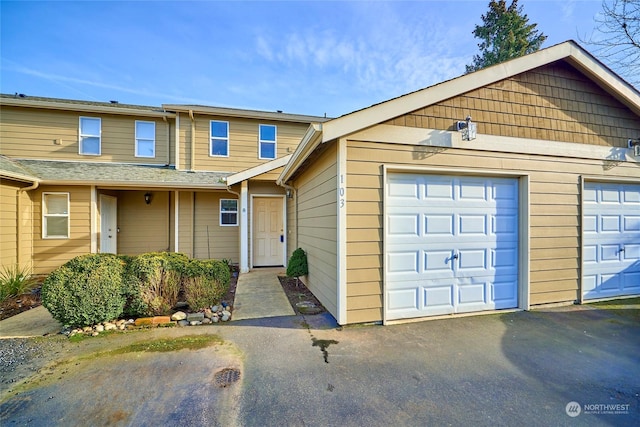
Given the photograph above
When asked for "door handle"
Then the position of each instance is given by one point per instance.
(455, 256)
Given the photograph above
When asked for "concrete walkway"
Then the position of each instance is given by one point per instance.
(259, 294)
(32, 323)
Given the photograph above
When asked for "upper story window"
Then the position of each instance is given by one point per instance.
(90, 131)
(267, 143)
(145, 139)
(219, 139)
(55, 215)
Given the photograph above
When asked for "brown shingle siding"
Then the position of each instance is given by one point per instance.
(554, 102)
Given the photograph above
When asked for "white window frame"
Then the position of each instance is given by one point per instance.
(137, 154)
(83, 135)
(274, 142)
(45, 215)
(221, 212)
(217, 138)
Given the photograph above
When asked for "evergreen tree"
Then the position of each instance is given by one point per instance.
(505, 34)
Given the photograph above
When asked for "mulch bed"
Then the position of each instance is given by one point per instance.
(16, 305)
(297, 292)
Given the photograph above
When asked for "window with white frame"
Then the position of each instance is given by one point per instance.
(145, 139)
(228, 212)
(219, 138)
(90, 132)
(55, 215)
(267, 143)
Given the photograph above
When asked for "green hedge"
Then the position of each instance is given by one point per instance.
(153, 282)
(206, 282)
(95, 288)
(86, 290)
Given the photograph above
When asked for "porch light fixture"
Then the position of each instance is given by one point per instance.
(467, 128)
(634, 144)
(289, 194)
(147, 198)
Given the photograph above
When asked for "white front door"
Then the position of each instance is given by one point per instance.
(268, 232)
(611, 240)
(452, 244)
(108, 224)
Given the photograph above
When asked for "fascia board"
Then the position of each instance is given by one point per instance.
(46, 105)
(18, 177)
(137, 184)
(247, 114)
(258, 170)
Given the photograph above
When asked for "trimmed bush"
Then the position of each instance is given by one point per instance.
(153, 282)
(298, 264)
(86, 290)
(206, 282)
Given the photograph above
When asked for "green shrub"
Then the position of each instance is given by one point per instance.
(86, 290)
(153, 282)
(15, 280)
(205, 283)
(298, 265)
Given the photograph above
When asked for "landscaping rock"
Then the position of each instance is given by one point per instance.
(179, 315)
(110, 326)
(195, 323)
(215, 319)
(99, 328)
(214, 308)
(208, 313)
(195, 317)
(206, 321)
(183, 323)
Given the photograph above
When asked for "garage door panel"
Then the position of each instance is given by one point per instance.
(403, 262)
(611, 240)
(467, 240)
(401, 300)
(403, 225)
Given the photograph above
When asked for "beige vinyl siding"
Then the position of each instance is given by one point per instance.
(317, 226)
(143, 228)
(9, 222)
(213, 241)
(243, 143)
(185, 220)
(49, 254)
(292, 225)
(554, 102)
(554, 209)
(53, 135)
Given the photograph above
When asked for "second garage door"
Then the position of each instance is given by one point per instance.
(451, 244)
(611, 239)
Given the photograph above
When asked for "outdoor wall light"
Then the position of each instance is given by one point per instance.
(467, 128)
(147, 198)
(634, 144)
(289, 194)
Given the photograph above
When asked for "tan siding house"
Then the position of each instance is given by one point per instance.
(504, 189)
(126, 179)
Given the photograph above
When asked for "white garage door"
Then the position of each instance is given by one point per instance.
(451, 244)
(611, 240)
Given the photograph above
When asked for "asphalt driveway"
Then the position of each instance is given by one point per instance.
(502, 369)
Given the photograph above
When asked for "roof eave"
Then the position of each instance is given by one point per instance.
(245, 114)
(67, 106)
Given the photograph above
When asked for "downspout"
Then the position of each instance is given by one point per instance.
(177, 157)
(193, 142)
(241, 229)
(168, 139)
(33, 186)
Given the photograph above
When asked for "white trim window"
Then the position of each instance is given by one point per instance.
(267, 144)
(228, 212)
(90, 136)
(55, 215)
(145, 139)
(219, 134)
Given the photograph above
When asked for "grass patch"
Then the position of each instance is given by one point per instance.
(189, 342)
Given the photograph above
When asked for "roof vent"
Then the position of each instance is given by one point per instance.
(114, 102)
(19, 95)
(279, 111)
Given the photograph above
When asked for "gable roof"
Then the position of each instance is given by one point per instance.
(568, 51)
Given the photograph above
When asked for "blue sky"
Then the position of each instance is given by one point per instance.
(328, 57)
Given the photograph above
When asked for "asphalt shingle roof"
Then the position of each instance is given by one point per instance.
(113, 174)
